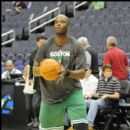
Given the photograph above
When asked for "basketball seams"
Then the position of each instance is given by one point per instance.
(49, 69)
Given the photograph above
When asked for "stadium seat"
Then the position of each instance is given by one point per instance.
(3, 69)
(20, 57)
(82, 20)
(27, 57)
(20, 67)
(123, 112)
(70, 10)
(18, 62)
(3, 57)
(124, 10)
(100, 19)
(91, 19)
(110, 18)
(127, 18)
(114, 10)
(11, 57)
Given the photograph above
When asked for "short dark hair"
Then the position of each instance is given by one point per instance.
(106, 66)
(41, 37)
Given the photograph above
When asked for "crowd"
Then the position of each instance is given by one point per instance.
(79, 86)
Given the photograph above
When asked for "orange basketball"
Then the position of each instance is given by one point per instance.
(49, 69)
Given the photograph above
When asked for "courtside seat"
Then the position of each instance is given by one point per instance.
(3, 57)
(105, 117)
(123, 112)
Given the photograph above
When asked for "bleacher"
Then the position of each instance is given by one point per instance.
(96, 25)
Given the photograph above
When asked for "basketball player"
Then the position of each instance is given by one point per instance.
(63, 94)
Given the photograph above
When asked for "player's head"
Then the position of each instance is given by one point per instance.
(83, 41)
(111, 42)
(40, 40)
(61, 24)
(9, 65)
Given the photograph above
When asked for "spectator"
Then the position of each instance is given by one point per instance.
(64, 93)
(108, 88)
(19, 6)
(117, 58)
(89, 84)
(10, 69)
(33, 100)
(97, 5)
(91, 55)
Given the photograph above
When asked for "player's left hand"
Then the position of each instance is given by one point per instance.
(61, 72)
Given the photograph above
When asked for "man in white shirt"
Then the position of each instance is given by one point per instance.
(10, 69)
(89, 84)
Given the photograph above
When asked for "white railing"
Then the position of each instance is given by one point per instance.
(9, 33)
(51, 20)
(77, 6)
(40, 17)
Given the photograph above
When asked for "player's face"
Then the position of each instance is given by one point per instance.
(61, 26)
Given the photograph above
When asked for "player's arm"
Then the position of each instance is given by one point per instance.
(76, 74)
(39, 57)
(36, 69)
(80, 64)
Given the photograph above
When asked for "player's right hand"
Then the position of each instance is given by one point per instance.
(36, 71)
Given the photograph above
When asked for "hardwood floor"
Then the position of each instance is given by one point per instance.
(27, 128)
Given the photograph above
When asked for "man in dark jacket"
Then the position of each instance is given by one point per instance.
(91, 55)
(33, 100)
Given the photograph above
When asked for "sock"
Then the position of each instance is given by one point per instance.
(81, 126)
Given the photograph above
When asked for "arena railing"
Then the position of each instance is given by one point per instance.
(32, 29)
(40, 17)
(81, 4)
(11, 35)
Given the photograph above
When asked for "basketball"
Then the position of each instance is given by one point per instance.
(49, 69)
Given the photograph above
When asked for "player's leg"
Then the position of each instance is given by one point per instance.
(76, 109)
(51, 116)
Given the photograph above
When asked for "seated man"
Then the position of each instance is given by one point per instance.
(108, 88)
(89, 84)
(10, 69)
